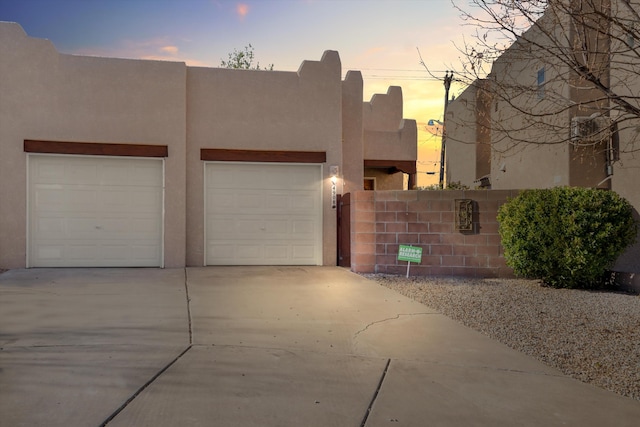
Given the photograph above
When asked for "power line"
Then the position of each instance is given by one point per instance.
(379, 77)
(382, 76)
(413, 70)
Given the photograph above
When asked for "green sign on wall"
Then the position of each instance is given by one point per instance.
(410, 253)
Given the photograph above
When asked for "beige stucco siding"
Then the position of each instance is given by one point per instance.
(461, 138)
(387, 136)
(86, 105)
(263, 110)
(531, 139)
(352, 132)
(55, 97)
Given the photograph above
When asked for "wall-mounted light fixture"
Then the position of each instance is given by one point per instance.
(334, 171)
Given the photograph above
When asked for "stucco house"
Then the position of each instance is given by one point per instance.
(116, 162)
(536, 122)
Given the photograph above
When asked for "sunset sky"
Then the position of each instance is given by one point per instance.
(380, 38)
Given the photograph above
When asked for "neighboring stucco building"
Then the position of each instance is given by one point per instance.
(533, 112)
(468, 152)
(386, 143)
(115, 162)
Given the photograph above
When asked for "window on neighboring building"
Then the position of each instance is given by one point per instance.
(541, 83)
(631, 40)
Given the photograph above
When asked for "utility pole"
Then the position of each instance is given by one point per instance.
(448, 76)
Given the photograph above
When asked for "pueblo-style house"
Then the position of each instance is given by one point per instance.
(117, 162)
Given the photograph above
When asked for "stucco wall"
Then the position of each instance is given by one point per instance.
(48, 96)
(528, 150)
(386, 135)
(461, 123)
(625, 81)
(45, 95)
(263, 110)
(384, 111)
(626, 182)
(352, 131)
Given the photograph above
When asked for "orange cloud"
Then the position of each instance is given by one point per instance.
(172, 50)
(242, 10)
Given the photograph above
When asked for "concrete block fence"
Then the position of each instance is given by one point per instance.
(383, 220)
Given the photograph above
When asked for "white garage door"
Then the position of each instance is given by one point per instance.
(95, 211)
(263, 214)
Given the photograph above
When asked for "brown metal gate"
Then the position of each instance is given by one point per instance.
(344, 230)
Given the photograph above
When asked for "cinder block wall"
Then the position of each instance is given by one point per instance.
(383, 220)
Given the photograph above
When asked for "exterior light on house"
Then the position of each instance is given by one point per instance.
(334, 171)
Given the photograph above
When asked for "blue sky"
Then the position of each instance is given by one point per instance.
(378, 37)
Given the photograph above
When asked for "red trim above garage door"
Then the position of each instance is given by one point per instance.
(406, 166)
(95, 149)
(224, 155)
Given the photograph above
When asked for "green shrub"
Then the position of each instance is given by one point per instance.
(567, 237)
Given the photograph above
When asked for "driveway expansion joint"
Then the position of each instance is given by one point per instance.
(144, 387)
(375, 394)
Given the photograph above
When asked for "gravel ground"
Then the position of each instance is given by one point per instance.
(591, 336)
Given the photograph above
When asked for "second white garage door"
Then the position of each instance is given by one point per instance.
(263, 214)
(95, 211)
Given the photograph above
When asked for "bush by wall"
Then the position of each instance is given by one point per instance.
(567, 237)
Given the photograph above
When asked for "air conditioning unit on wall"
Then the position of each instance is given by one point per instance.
(590, 129)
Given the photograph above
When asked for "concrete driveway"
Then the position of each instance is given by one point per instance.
(262, 346)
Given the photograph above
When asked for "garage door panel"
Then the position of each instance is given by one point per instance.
(250, 200)
(133, 200)
(302, 252)
(220, 201)
(142, 252)
(87, 255)
(79, 228)
(277, 200)
(63, 200)
(276, 226)
(53, 226)
(49, 252)
(114, 199)
(217, 225)
(304, 203)
(257, 227)
(264, 202)
(50, 171)
(126, 175)
(302, 227)
(277, 253)
(50, 196)
(133, 227)
(246, 227)
(101, 212)
(259, 214)
(114, 251)
(248, 252)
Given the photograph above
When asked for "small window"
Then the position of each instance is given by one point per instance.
(541, 83)
(631, 40)
(370, 184)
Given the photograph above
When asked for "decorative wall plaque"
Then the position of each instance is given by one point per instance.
(464, 214)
